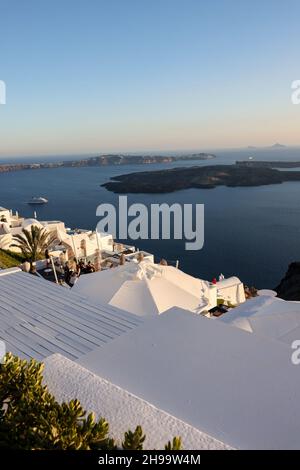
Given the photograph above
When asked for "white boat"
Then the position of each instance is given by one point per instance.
(38, 200)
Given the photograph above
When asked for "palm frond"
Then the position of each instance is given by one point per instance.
(33, 242)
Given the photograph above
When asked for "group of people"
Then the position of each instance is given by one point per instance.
(72, 273)
(85, 268)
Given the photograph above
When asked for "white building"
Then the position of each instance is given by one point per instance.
(231, 290)
(176, 374)
(8, 222)
(238, 388)
(44, 321)
(5, 215)
(84, 243)
(79, 243)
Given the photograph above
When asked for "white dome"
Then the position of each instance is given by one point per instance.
(27, 223)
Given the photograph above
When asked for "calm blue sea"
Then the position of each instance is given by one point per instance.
(253, 233)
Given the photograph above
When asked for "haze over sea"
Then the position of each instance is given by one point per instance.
(253, 233)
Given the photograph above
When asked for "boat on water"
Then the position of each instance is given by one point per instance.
(38, 200)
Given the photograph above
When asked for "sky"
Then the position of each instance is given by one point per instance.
(147, 75)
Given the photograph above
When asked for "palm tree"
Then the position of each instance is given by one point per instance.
(33, 243)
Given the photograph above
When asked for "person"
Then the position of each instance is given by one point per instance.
(67, 272)
(163, 262)
(73, 278)
(90, 268)
(47, 256)
(81, 268)
(81, 263)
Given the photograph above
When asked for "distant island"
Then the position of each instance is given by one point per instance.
(205, 177)
(104, 160)
(274, 146)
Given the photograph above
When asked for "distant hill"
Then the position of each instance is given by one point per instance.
(110, 159)
(278, 146)
(274, 146)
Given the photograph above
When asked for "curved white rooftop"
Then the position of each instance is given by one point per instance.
(267, 316)
(27, 223)
(146, 289)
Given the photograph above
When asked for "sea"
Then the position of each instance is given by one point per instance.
(252, 233)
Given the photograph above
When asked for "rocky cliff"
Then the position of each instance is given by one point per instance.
(289, 287)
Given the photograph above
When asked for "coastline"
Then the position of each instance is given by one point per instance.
(106, 160)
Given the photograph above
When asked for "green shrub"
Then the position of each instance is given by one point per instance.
(31, 418)
(134, 440)
(9, 259)
(174, 445)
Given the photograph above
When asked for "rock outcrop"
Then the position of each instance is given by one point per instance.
(289, 287)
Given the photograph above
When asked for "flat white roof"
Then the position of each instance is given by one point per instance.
(39, 318)
(235, 386)
(123, 411)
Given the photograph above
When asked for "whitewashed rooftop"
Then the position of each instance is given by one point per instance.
(39, 318)
(235, 386)
(267, 316)
(147, 289)
(66, 380)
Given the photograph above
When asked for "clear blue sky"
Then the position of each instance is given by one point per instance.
(129, 75)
